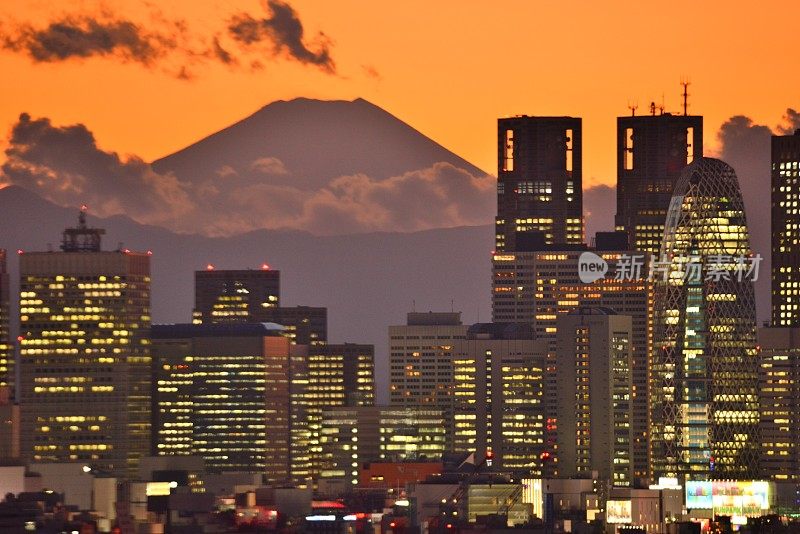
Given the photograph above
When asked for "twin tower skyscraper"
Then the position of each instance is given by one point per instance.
(694, 365)
(540, 178)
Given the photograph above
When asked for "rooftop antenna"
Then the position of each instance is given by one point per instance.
(413, 305)
(685, 83)
(452, 306)
(633, 107)
(82, 238)
(661, 107)
(653, 108)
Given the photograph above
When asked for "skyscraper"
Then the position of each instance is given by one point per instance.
(420, 361)
(539, 287)
(779, 397)
(235, 296)
(222, 392)
(7, 363)
(85, 356)
(539, 182)
(594, 409)
(652, 150)
(498, 388)
(704, 399)
(338, 375)
(786, 230)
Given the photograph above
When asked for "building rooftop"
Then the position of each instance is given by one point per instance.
(186, 330)
(433, 318)
(501, 331)
(587, 310)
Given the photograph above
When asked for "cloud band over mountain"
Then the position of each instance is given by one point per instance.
(65, 165)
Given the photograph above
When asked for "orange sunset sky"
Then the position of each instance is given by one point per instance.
(448, 68)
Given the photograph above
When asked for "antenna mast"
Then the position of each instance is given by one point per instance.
(685, 83)
(633, 108)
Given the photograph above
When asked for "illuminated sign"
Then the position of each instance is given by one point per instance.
(728, 497)
(741, 498)
(699, 494)
(618, 512)
(157, 489)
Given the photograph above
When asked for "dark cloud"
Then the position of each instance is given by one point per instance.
(168, 43)
(745, 145)
(791, 122)
(65, 165)
(221, 54)
(83, 36)
(371, 72)
(283, 30)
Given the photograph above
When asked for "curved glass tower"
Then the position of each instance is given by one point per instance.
(704, 369)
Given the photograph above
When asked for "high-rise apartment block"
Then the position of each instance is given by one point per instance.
(594, 384)
(539, 182)
(85, 353)
(352, 436)
(786, 230)
(338, 375)
(420, 361)
(498, 388)
(652, 150)
(779, 399)
(539, 287)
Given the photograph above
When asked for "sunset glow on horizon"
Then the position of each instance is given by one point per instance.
(449, 72)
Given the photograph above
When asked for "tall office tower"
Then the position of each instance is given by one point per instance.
(337, 375)
(9, 425)
(352, 436)
(779, 396)
(235, 296)
(7, 364)
(85, 353)
(498, 387)
(593, 374)
(300, 453)
(420, 362)
(704, 365)
(652, 150)
(222, 391)
(539, 287)
(786, 230)
(305, 325)
(539, 182)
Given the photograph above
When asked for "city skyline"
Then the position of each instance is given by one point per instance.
(337, 314)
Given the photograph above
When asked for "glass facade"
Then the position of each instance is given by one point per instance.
(704, 374)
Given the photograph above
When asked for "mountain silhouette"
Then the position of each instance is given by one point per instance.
(316, 141)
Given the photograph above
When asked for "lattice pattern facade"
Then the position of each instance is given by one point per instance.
(704, 366)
